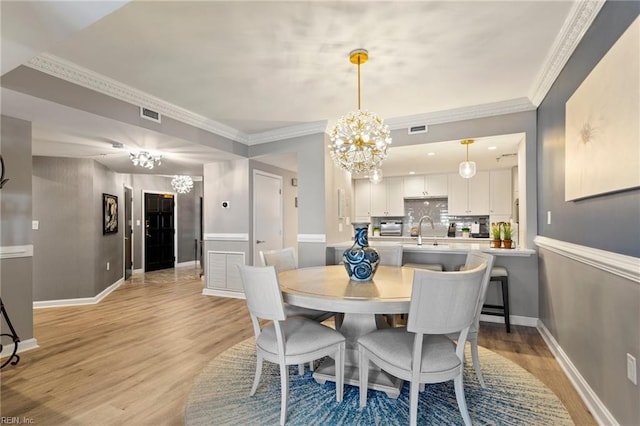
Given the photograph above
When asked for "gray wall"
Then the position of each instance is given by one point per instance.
(65, 207)
(609, 222)
(16, 274)
(592, 314)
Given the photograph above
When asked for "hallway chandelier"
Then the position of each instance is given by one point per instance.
(359, 140)
(145, 159)
(467, 168)
(182, 184)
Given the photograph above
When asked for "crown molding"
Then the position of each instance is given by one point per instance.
(396, 123)
(289, 132)
(480, 111)
(580, 18)
(84, 77)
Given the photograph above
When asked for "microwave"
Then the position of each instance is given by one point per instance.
(391, 228)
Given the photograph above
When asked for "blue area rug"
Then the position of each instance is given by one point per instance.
(220, 396)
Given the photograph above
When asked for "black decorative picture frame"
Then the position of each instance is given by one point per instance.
(109, 214)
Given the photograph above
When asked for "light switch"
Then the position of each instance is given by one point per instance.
(137, 222)
(549, 217)
(35, 225)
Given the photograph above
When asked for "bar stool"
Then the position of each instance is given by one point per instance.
(500, 274)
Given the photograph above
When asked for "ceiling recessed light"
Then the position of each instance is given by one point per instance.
(431, 154)
(412, 173)
(491, 148)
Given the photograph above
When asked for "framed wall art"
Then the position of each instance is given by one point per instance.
(602, 147)
(109, 214)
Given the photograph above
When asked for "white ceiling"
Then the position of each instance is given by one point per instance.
(260, 66)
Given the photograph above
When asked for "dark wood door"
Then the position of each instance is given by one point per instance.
(160, 231)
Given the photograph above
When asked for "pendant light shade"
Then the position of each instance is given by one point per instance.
(360, 139)
(467, 168)
(375, 176)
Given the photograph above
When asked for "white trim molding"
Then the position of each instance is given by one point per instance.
(575, 26)
(305, 129)
(79, 301)
(312, 238)
(618, 264)
(223, 293)
(226, 237)
(513, 319)
(23, 346)
(12, 252)
(589, 397)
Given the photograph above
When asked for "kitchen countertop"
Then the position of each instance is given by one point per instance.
(445, 245)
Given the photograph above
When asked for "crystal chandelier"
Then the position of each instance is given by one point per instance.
(467, 168)
(182, 184)
(144, 159)
(359, 141)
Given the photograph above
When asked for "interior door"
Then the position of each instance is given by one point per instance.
(159, 231)
(267, 213)
(128, 233)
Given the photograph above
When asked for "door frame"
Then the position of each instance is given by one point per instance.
(254, 245)
(124, 234)
(175, 221)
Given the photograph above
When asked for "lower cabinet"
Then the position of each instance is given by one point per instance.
(222, 270)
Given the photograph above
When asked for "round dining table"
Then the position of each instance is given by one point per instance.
(328, 288)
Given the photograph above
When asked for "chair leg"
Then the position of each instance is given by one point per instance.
(462, 405)
(473, 340)
(301, 369)
(505, 302)
(364, 378)
(256, 378)
(413, 403)
(339, 368)
(284, 389)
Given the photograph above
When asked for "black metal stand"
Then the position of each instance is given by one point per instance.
(13, 359)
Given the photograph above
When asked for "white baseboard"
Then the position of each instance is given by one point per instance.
(192, 263)
(80, 301)
(222, 293)
(515, 320)
(138, 271)
(599, 411)
(23, 346)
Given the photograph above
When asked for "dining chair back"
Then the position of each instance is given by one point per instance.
(390, 254)
(283, 259)
(286, 341)
(441, 303)
(475, 258)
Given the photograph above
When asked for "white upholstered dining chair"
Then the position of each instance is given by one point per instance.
(390, 255)
(475, 258)
(284, 260)
(441, 303)
(286, 341)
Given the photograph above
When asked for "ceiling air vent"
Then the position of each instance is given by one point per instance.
(150, 114)
(414, 130)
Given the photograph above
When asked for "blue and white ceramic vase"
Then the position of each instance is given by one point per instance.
(361, 261)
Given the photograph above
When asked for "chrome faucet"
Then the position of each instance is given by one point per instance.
(420, 229)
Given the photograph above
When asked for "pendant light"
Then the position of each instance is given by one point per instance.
(467, 168)
(359, 140)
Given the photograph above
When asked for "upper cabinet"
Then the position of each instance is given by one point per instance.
(425, 186)
(500, 192)
(387, 198)
(469, 197)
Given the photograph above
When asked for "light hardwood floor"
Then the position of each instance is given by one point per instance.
(131, 359)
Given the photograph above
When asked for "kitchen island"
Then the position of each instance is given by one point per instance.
(521, 263)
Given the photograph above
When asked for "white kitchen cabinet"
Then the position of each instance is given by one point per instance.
(387, 198)
(425, 185)
(362, 197)
(500, 192)
(468, 197)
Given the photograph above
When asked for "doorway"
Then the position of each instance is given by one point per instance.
(159, 240)
(128, 232)
(267, 213)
